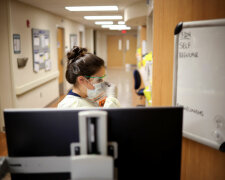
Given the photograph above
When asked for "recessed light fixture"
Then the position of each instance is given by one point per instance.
(92, 8)
(125, 28)
(121, 22)
(116, 27)
(102, 17)
(106, 26)
(103, 22)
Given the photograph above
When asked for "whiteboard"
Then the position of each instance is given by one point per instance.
(199, 80)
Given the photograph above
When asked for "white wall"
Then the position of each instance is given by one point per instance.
(21, 87)
(5, 74)
(89, 36)
(101, 45)
(23, 76)
(135, 14)
(41, 20)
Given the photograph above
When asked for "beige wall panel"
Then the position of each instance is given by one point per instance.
(198, 161)
(89, 37)
(101, 45)
(40, 96)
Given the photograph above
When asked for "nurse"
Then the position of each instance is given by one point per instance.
(86, 72)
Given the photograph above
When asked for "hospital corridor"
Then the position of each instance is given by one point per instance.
(112, 89)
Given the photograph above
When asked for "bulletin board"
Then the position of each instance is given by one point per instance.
(41, 50)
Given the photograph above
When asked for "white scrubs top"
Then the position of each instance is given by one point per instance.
(73, 100)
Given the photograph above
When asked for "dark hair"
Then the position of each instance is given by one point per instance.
(81, 63)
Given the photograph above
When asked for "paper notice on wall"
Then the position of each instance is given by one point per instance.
(16, 43)
(36, 41)
(46, 56)
(41, 59)
(36, 67)
(144, 47)
(73, 40)
(36, 58)
(42, 41)
(120, 45)
(46, 42)
(47, 65)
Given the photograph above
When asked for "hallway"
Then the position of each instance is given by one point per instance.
(121, 77)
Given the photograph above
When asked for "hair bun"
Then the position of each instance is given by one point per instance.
(76, 52)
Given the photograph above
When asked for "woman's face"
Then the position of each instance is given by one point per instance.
(96, 80)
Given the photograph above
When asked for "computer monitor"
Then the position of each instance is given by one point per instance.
(149, 139)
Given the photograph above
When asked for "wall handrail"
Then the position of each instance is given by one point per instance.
(33, 84)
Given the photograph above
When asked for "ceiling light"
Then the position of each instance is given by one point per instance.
(92, 8)
(114, 26)
(121, 22)
(126, 28)
(120, 28)
(102, 17)
(106, 26)
(103, 22)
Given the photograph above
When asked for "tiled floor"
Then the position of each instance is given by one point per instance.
(123, 79)
(124, 82)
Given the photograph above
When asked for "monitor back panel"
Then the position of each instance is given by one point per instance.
(149, 139)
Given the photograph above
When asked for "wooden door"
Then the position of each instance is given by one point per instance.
(115, 51)
(130, 42)
(60, 47)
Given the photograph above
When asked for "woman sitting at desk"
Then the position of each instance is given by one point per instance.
(87, 72)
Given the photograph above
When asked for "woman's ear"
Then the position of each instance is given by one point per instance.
(84, 81)
(81, 79)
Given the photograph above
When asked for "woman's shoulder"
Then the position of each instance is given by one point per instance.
(74, 102)
(68, 102)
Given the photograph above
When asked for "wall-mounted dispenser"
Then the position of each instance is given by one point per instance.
(21, 62)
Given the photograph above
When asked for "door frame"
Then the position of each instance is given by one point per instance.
(62, 86)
